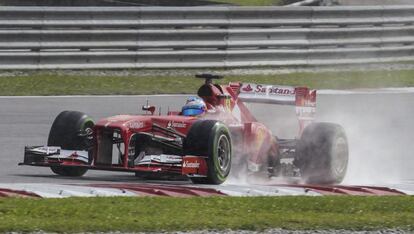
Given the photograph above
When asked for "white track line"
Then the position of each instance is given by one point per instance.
(320, 91)
(367, 91)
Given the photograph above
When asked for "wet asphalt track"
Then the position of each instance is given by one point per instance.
(380, 129)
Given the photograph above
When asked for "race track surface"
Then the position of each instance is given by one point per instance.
(379, 126)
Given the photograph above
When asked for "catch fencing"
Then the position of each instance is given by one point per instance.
(197, 37)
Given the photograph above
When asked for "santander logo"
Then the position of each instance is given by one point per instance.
(191, 164)
(260, 89)
(247, 88)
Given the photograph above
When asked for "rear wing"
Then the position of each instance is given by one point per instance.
(303, 98)
(275, 94)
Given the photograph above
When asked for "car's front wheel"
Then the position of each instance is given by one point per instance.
(210, 138)
(71, 130)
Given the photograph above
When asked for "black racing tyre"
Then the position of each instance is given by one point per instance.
(71, 130)
(210, 138)
(69, 171)
(322, 154)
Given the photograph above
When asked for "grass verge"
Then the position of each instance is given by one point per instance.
(61, 84)
(218, 213)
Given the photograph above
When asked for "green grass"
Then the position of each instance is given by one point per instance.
(54, 84)
(218, 213)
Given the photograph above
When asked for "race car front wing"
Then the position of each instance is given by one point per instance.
(47, 156)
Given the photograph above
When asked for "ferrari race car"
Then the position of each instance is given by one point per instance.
(204, 146)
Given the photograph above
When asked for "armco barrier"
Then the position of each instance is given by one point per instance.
(169, 37)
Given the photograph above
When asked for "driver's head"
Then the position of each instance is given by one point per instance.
(193, 107)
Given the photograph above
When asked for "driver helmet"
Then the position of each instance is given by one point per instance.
(193, 107)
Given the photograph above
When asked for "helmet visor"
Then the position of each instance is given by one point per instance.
(190, 112)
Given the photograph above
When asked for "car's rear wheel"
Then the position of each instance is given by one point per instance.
(322, 154)
(210, 138)
(71, 130)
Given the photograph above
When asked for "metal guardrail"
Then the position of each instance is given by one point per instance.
(169, 37)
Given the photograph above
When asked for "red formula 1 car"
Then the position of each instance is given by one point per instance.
(203, 147)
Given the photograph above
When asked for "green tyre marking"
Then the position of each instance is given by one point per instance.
(217, 130)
